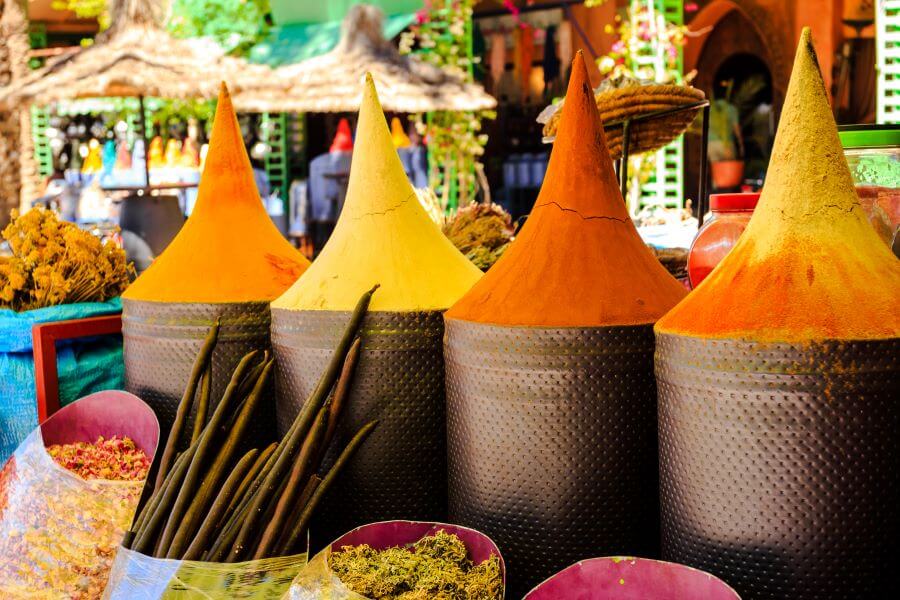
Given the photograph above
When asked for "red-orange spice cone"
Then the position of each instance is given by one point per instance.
(778, 385)
(227, 263)
(551, 398)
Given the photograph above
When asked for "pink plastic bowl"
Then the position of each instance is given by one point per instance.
(387, 534)
(627, 578)
(106, 413)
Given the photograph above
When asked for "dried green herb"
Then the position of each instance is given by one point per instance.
(436, 567)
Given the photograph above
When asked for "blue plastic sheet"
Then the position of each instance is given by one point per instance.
(85, 366)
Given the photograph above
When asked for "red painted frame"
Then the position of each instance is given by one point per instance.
(45, 336)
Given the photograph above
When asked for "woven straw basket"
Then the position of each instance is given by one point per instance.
(629, 102)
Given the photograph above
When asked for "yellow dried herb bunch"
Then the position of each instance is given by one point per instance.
(55, 262)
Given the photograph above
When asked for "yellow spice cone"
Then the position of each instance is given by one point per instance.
(809, 266)
(228, 250)
(398, 135)
(382, 236)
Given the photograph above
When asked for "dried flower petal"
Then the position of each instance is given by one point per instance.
(59, 531)
(116, 459)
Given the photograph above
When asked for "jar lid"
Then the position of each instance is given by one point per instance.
(745, 201)
(869, 136)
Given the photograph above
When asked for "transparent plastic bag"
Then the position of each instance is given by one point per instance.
(59, 532)
(318, 582)
(137, 576)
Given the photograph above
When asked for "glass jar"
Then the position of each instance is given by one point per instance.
(873, 155)
(730, 214)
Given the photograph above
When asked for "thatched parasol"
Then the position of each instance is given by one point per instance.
(136, 57)
(331, 82)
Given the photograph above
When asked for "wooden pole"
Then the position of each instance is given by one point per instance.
(143, 121)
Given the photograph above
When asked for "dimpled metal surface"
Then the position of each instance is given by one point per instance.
(552, 443)
(162, 341)
(401, 470)
(779, 464)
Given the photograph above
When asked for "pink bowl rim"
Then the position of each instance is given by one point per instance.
(634, 558)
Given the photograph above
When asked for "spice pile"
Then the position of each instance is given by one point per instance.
(54, 262)
(58, 535)
(578, 261)
(228, 250)
(113, 459)
(435, 567)
(212, 504)
(383, 234)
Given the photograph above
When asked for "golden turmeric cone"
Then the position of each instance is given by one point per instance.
(382, 236)
(228, 250)
(809, 266)
(579, 260)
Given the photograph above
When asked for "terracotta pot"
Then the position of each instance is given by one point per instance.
(727, 173)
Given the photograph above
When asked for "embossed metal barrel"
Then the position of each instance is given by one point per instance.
(778, 464)
(552, 442)
(401, 472)
(162, 341)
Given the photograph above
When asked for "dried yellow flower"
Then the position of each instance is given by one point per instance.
(54, 262)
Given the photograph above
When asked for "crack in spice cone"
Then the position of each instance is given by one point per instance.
(778, 379)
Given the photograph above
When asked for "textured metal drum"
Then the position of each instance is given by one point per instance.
(779, 464)
(162, 341)
(552, 443)
(401, 470)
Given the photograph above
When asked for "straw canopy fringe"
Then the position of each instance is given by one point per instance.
(331, 82)
(137, 57)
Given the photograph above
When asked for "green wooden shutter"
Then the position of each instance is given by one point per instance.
(274, 127)
(887, 55)
(666, 185)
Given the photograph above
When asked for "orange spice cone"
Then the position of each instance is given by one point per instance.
(383, 236)
(551, 398)
(778, 384)
(227, 263)
(228, 250)
(578, 260)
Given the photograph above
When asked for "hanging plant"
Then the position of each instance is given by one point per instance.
(441, 35)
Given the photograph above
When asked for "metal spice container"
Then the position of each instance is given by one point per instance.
(162, 340)
(778, 384)
(402, 473)
(778, 464)
(552, 442)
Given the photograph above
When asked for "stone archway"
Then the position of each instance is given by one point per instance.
(723, 29)
(766, 26)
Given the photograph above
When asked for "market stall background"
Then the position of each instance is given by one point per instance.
(564, 243)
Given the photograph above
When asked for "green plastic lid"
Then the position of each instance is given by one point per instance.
(869, 136)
